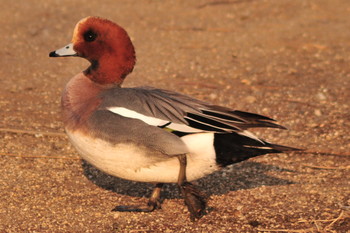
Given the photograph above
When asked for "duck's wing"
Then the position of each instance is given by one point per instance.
(171, 110)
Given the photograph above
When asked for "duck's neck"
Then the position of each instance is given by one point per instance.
(79, 99)
(110, 70)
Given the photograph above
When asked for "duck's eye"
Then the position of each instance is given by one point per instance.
(90, 36)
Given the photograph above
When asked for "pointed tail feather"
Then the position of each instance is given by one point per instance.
(233, 148)
(280, 148)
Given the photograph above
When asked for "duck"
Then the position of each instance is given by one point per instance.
(147, 134)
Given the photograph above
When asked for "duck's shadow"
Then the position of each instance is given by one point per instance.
(245, 175)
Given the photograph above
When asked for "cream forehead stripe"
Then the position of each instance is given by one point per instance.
(76, 29)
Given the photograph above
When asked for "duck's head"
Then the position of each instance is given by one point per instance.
(106, 45)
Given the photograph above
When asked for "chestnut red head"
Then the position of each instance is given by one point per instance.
(106, 45)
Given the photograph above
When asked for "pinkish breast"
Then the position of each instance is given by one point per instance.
(80, 99)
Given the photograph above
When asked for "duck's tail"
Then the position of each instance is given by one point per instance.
(233, 148)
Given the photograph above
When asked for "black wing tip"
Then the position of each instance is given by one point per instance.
(256, 120)
(268, 124)
(251, 115)
(281, 127)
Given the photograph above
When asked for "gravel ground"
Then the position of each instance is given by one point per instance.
(288, 59)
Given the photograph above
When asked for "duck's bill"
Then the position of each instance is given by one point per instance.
(66, 51)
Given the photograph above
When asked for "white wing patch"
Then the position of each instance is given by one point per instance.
(153, 120)
(184, 128)
(135, 115)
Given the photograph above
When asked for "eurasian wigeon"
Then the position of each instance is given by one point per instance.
(147, 134)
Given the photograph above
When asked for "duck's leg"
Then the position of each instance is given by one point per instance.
(152, 204)
(195, 200)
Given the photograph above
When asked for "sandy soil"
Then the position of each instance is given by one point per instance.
(286, 59)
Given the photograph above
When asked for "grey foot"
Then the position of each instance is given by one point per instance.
(195, 200)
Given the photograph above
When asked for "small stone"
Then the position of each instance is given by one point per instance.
(250, 99)
(292, 71)
(321, 96)
(213, 96)
(246, 81)
(318, 112)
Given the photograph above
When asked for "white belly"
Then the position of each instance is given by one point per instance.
(131, 162)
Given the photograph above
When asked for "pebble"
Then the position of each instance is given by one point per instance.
(246, 81)
(318, 112)
(213, 96)
(250, 99)
(321, 96)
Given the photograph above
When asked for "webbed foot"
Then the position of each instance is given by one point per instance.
(153, 203)
(195, 200)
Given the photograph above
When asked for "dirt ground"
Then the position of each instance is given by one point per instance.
(287, 59)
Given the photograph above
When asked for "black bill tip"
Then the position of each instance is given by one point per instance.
(53, 54)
